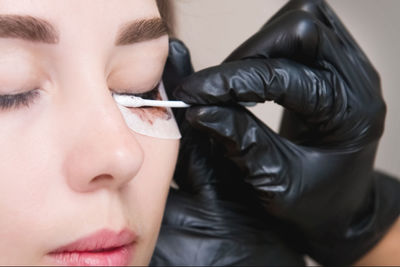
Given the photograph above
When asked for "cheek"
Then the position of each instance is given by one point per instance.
(26, 160)
(148, 191)
(32, 191)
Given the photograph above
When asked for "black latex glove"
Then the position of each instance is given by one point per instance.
(213, 219)
(321, 181)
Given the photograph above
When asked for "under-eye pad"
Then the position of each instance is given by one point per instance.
(158, 122)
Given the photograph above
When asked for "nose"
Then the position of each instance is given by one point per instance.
(101, 151)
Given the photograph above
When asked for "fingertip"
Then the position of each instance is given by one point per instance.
(177, 47)
(179, 62)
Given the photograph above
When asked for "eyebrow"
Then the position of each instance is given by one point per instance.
(141, 30)
(27, 28)
(39, 30)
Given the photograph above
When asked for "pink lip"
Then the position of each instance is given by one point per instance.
(104, 247)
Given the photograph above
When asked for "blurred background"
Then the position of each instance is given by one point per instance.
(212, 29)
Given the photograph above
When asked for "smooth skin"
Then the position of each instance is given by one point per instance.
(69, 164)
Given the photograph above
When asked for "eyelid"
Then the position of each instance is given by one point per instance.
(152, 94)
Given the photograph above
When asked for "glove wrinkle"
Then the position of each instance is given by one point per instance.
(312, 187)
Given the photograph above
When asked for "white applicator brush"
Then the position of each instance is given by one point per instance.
(132, 101)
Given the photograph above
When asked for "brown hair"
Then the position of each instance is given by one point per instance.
(165, 8)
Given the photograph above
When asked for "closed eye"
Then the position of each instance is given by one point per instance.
(18, 100)
(149, 113)
(153, 94)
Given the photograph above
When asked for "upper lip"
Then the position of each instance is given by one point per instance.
(104, 239)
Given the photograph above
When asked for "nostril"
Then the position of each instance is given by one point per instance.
(102, 177)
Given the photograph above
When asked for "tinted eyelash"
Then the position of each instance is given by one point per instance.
(18, 100)
(27, 98)
(152, 94)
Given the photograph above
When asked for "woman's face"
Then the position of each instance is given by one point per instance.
(70, 166)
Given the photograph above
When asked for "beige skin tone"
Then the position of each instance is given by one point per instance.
(69, 164)
(386, 252)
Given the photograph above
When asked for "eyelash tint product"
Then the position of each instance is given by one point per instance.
(146, 119)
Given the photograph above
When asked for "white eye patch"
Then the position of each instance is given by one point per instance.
(158, 122)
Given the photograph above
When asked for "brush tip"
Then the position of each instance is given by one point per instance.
(128, 101)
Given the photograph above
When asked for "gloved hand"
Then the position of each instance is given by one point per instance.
(213, 218)
(320, 178)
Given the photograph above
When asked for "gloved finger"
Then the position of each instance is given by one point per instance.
(202, 171)
(194, 170)
(257, 150)
(300, 36)
(293, 35)
(293, 126)
(178, 65)
(290, 84)
(267, 38)
(353, 50)
(193, 233)
(321, 10)
(310, 6)
(282, 29)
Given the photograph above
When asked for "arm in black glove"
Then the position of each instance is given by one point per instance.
(212, 219)
(319, 178)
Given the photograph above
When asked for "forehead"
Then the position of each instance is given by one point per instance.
(83, 19)
(81, 7)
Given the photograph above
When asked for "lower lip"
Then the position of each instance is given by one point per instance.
(121, 256)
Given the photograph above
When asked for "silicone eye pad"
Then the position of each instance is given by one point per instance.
(158, 122)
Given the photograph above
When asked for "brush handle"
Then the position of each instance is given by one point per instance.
(163, 103)
(131, 101)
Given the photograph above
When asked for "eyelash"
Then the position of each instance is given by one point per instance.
(25, 99)
(152, 94)
(18, 100)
